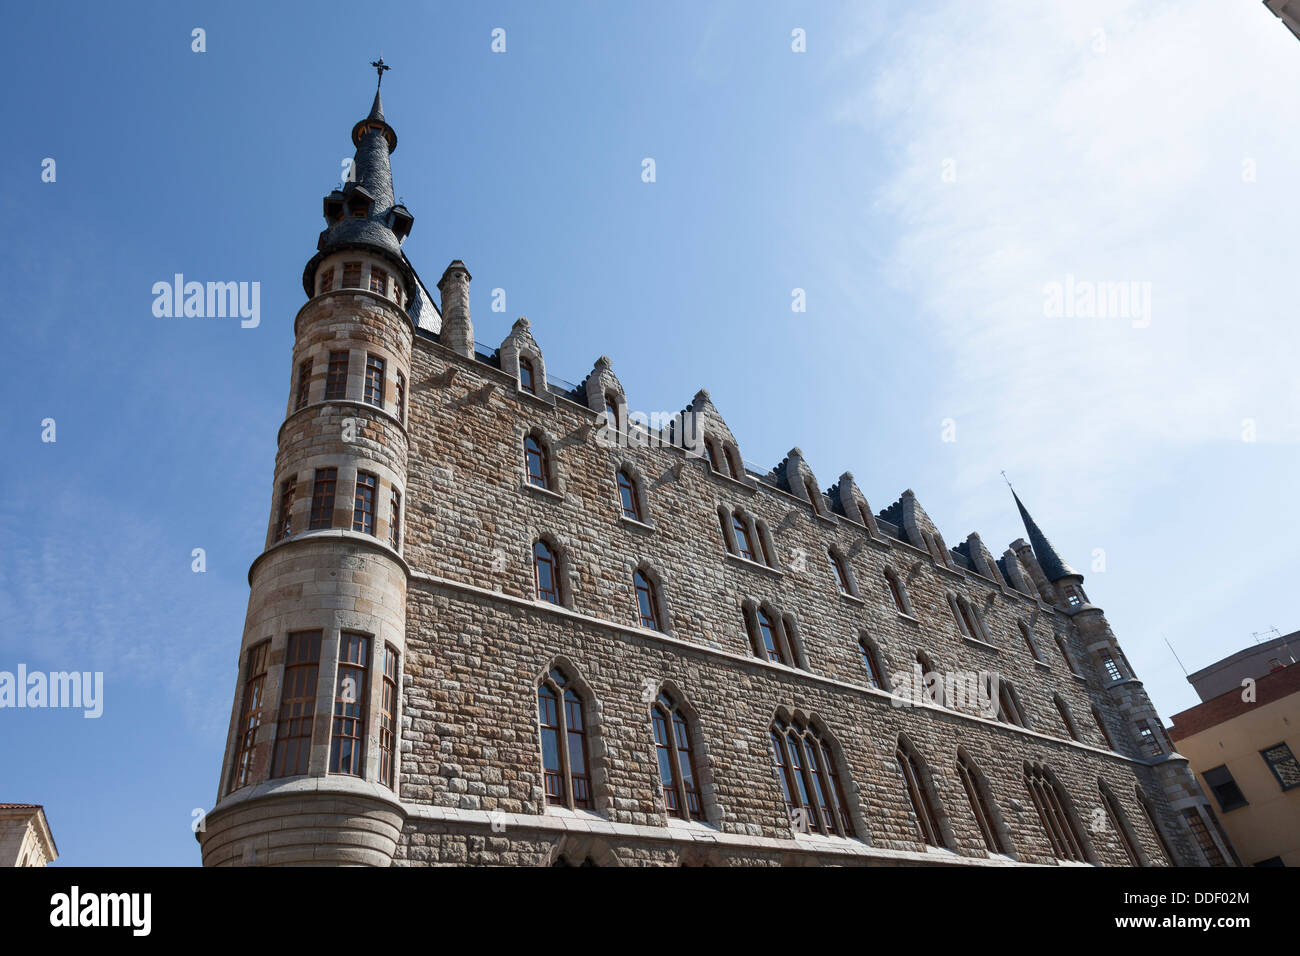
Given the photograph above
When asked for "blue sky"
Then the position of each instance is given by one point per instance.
(921, 173)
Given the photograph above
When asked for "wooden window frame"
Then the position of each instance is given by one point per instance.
(373, 392)
(379, 276)
(395, 519)
(574, 789)
(627, 495)
(536, 449)
(351, 275)
(336, 375)
(363, 502)
(647, 599)
(1066, 841)
(326, 281)
(871, 661)
(740, 530)
(978, 796)
(284, 514)
(349, 725)
(304, 384)
(527, 375)
(805, 765)
(388, 703)
(550, 559)
(678, 773)
(324, 487)
(250, 714)
(296, 715)
(924, 812)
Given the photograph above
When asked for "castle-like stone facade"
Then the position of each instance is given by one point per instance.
(500, 620)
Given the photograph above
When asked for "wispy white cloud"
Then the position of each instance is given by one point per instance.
(1105, 141)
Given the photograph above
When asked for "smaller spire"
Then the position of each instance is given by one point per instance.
(1053, 567)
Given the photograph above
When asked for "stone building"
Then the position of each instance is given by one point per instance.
(501, 620)
(25, 838)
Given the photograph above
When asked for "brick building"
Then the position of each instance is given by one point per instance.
(500, 620)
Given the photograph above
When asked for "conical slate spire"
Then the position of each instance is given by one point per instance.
(364, 214)
(1048, 559)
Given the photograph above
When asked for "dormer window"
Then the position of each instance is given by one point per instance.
(526, 376)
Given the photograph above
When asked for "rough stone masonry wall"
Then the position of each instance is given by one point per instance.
(477, 644)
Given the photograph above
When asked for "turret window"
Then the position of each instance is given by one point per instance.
(351, 688)
(395, 520)
(352, 275)
(284, 516)
(336, 377)
(250, 714)
(1113, 673)
(379, 281)
(399, 396)
(363, 507)
(374, 391)
(293, 729)
(327, 279)
(322, 499)
(388, 717)
(304, 383)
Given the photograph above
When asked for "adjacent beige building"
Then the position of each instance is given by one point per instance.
(1242, 741)
(25, 838)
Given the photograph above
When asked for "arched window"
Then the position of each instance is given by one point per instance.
(1067, 718)
(734, 464)
(740, 529)
(1149, 812)
(647, 600)
(968, 622)
(1066, 655)
(539, 465)
(677, 770)
(1030, 643)
(814, 496)
(981, 804)
(894, 588)
(627, 493)
(840, 571)
(769, 640)
(564, 742)
(1120, 825)
(1009, 709)
(546, 570)
(871, 661)
(810, 780)
(715, 457)
(919, 793)
(250, 714)
(1066, 840)
(611, 411)
(932, 683)
(765, 543)
(526, 375)
(1101, 725)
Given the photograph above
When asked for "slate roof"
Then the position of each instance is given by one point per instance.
(1051, 562)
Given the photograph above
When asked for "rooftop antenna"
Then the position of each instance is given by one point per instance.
(1272, 630)
(1175, 653)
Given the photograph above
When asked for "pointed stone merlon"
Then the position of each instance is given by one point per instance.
(457, 329)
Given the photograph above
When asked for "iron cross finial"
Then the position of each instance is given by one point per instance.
(380, 66)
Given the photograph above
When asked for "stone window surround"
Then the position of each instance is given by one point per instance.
(354, 390)
(344, 496)
(326, 621)
(393, 294)
(704, 785)
(925, 780)
(659, 593)
(602, 800)
(639, 494)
